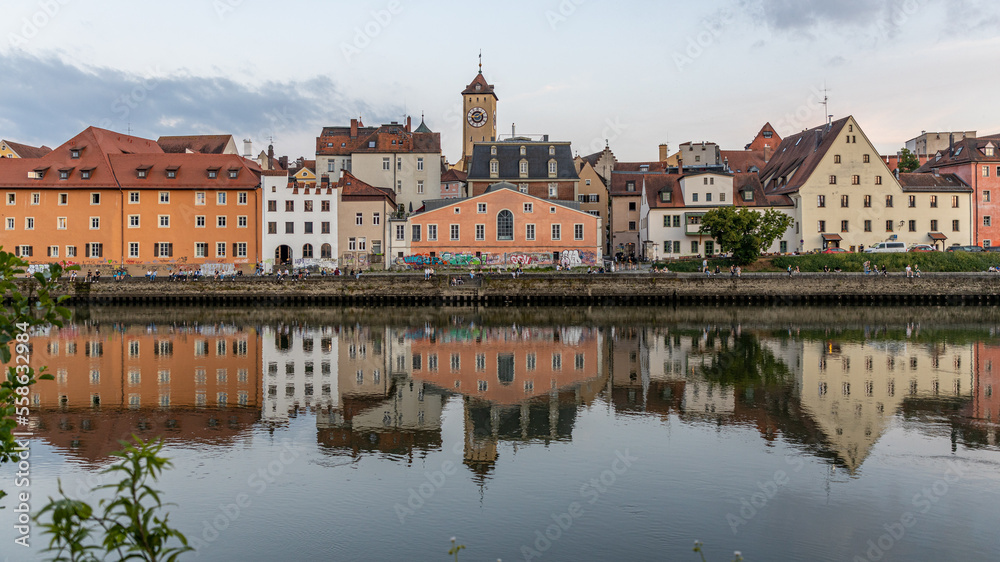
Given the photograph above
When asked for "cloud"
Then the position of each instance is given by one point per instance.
(46, 101)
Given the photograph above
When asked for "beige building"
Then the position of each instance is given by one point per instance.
(592, 194)
(844, 195)
(928, 144)
(363, 212)
(479, 113)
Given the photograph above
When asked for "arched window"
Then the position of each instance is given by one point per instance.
(505, 225)
(325, 251)
(307, 251)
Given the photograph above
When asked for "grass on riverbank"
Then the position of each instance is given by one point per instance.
(927, 261)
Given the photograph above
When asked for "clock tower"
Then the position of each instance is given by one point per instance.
(479, 111)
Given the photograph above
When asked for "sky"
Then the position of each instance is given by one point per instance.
(631, 74)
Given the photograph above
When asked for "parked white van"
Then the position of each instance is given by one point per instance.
(886, 247)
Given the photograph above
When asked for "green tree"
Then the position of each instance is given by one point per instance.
(743, 231)
(907, 161)
(28, 302)
(128, 528)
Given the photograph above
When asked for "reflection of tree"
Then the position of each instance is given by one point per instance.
(745, 361)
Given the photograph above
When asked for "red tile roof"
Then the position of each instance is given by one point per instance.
(337, 141)
(742, 160)
(965, 151)
(112, 160)
(26, 150)
(352, 188)
(453, 175)
(484, 87)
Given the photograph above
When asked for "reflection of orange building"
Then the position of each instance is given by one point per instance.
(986, 383)
(509, 365)
(109, 383)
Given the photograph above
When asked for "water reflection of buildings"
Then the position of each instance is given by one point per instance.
(845, 392)
(189, 382)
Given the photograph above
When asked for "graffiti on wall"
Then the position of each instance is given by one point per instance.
(567, 258)
(210, 269)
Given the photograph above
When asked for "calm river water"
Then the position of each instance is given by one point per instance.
(539, 434)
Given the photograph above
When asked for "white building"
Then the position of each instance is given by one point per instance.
(299, 223)
(300, 370)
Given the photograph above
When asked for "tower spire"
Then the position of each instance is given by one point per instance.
(480, 61)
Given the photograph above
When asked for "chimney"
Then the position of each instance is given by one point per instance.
(407, 123)
(513, 133)
(680, 162)
(767, 153)
(324, 181)
(663, 152)
(545, 138)
(354, 128)
(247, 148)
(283, 162)
(951, 142)
(725, 163)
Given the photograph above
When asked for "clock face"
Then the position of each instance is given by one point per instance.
(477, 117)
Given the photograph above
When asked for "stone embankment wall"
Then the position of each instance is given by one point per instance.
(555, 289)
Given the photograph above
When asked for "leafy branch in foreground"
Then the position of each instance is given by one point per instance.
(128, 525)
(26, 305)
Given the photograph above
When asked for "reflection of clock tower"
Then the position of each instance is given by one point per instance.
(479, 105)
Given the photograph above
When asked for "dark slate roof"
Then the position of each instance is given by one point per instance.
(965, 151)
(509, 157)
(434, 204)
(26, 150)
(931, 182)
(797, 156)
(202, 144)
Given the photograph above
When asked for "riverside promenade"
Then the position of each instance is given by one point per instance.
(553, 288)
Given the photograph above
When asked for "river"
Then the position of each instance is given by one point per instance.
(535, 433)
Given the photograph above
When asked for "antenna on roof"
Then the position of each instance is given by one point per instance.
(129, 129)
(826, 105)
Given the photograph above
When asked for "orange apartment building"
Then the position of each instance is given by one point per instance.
(190, 383)
(507, 227)
(108, 199)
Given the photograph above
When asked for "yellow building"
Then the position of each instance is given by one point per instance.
(479, 110)
(845, 196)
(10, 149)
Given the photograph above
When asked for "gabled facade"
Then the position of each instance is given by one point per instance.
(593, 195)
(107, 199)
(506, 227)
(199, 144)
(390, 156)
(363, 212)
(844, 194)
(453, 184)
(976, 162)
(542, 169)
(300, 223)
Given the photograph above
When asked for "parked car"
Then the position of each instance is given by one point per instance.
(957, 248)
(992, 249)
(833, 250)
(886, 247)
(922, 248)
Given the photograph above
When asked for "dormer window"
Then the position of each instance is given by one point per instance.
(141, 173)
(171, 174)
(630, 186)
(552, 151)
(666, 196)
(523, 151)
(644, 168)
(989, 150)
(747, 195)
(74, 153)
(523, 168)
(213, 173)
(553, 168)
(64, 174)
(494, 168)
(493, 151)
(233, 173)
(85, 174)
